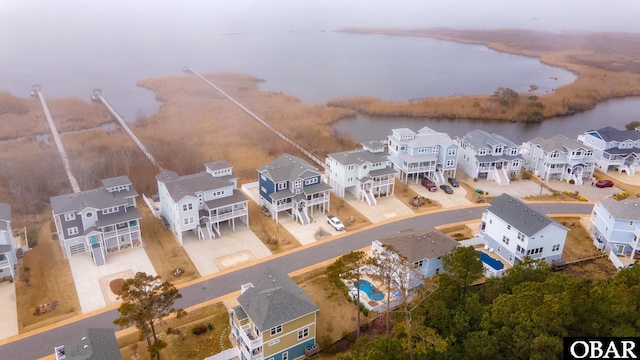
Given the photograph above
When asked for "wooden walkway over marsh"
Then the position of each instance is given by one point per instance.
(259, 119)
(37, 92)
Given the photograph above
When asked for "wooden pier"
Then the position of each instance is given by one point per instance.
(259, 119)
(36, 91)
(97, 96)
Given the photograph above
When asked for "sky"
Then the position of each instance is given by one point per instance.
(291, 15)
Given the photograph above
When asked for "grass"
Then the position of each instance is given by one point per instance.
(163, 250)
(50, 280)
(346, 212)
(406, 194)
(275, 237)
(579, 244)
(187, 346)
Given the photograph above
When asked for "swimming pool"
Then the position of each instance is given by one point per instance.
(372, 292)
(493, 263)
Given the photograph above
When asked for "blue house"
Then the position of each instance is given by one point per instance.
(292, 185)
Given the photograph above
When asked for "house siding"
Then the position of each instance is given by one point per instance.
(267, 186)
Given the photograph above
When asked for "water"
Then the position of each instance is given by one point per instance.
(615, 112)
(70, 47)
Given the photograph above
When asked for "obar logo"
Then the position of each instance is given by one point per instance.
(602, 348)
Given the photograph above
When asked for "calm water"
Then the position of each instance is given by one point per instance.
(70, 47)
(616, 113)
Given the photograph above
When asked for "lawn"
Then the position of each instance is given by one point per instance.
(50, 281)
(274, 236)
(579, 244)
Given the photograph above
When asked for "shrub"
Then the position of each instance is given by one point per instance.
(572, 182)
(527, 175)
(364, 309)
(199, 329)
(582, 198)
(475, 179)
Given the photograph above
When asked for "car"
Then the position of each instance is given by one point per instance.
(604, 183)
(453, 182)
(335, 222)
(446, 188)
(426, 182)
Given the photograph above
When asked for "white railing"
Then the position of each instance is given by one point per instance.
(281, 207)
(250, 338)
(228, 215)
(478, 240)
(614, 259)
(415, 169)
(225, 355)
(123, 231)
(598, 244)
(317, 200)
(381, 183)
(246, 188)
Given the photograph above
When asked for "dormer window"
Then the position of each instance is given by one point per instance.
(482, 152)
(497, 150)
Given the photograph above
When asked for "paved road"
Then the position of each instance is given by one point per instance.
(42, 344)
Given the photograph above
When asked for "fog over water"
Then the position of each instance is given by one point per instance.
(72, 46)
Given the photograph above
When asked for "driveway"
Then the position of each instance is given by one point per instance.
(233, 248)
(387, 207)
(9, 318)
(92, 281)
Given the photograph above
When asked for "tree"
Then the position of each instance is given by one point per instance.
(462, 267)
(632, 125)
(506, 96)
(146, 300)
(354, 261)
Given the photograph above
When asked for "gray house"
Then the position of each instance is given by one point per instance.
(8, 259)
(489, 156)
(98, 221)
(93, 344)
(423, 249)
(559, 158)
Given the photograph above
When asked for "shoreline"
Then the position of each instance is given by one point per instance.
(595, 81)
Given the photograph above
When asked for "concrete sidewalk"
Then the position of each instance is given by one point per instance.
(87, 276)
(388, 207)
(9, 318)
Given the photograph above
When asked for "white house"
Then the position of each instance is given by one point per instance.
(423, 249)
(365, 173)
(426, 153)
(202, 202)
(489, 156)
(615, 228)
(559, 158)
(514, 230)
(8, 258)
(614, 149)
(98, 221)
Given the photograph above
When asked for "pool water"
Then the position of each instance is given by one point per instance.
(372, 292)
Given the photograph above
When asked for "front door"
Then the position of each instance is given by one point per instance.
(94, 240)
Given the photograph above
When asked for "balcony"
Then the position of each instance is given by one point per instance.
(124, 230)
(317, 200)
(228, 215)
(385, 182)
(418, 169)
(251, 343)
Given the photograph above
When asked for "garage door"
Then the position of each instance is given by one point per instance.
(76, 249)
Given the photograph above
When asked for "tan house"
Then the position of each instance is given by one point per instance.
(275, 320)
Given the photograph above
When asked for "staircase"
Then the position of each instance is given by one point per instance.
(304, 217)
(630, 170)
(578, 179)
(439, 177)
(502, 177)
(370, 198)
(204, 232)
(98, 254)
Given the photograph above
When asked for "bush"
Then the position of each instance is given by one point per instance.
(475, 179)
(199, 329)
(527, 175)
(364, 309)
(572, 182)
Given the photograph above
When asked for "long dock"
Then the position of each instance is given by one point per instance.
(37, 91)
(97, 96)
(259, 119)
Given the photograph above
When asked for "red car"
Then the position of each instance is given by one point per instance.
(604, 183)
(426, 182)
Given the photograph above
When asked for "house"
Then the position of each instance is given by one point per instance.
(98, 221)
(8, 257)
(426, 153)
(514, 230)
(615, 228)
(275, 319)
(489, 156)
(365, 173)
(201, 202)
(292, 185)
(559, 158)
(93, 344)
(423, 249)
(614, 149)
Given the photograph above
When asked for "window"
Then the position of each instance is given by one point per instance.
(499, 248)
(263, 177)
(418, 263)
(263, 189)
(69, 217)
(276, 330)
(350, 167)
(514, 151)
(90, 214)
(282, 186)
(451, 152)
(520, 236)
(285, 355)
(189, 220)
(109, 210)
(490, 221)
(437, 270)
(555, 247)
(508, 227)
(505, 239)
(554, 154)
(631, 223)
(436, 150)
(450, 163)
(303, 333)
(187, 207)
(311, 181)
(72, 231)
(423, 150)
(511, 257)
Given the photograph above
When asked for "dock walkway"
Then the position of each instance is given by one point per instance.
(37, 91)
